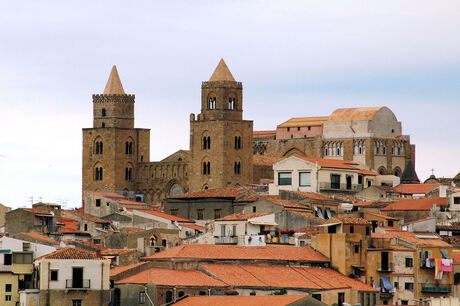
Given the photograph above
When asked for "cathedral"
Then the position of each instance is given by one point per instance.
(224, 150)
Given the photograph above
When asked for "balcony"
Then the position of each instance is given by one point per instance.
(340, 187)
(78, 284)
(386, 294)
(386, 268)
(437, 289)
(226, 240)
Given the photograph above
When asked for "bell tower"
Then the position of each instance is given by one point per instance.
(220, 140)
(112, 148)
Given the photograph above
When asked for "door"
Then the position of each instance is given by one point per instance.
(348, 182)
(385, 264)
(77, 277)
(341, 298)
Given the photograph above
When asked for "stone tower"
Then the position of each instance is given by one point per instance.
(113, 147)
(220, 140)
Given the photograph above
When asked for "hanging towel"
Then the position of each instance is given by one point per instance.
(437, 267)
(427, 263)
(446, 265)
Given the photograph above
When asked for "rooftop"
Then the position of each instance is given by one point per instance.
(118, 270)
(87, 216)
(419, 239)
(168, 277)
(108, 252)
(359, 113)
(381, 216)
(348, 220)
(423, 204)
(71, 253)
(38, 211)
(213, 193)
(113, 86)
(221, 73)
(240, 300)
(263, 134)
(304, 121)
(331, 163)
(163, 215)
(40, 237)
(283, 277)
(226, 252)
(415, 188)
(242, 217)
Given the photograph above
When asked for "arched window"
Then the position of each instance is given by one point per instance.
(128, 174)
(237, 168)
(103, 112)
(397, 172)
(103, 124)
(237, 142)
(232, 103)
(98, 174)
(212, 103)
(381, 171)
(152, 241)
(169, 296)
(206, 142)
(129, 147)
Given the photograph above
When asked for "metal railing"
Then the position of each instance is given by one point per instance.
(338, 186)
(78, 284)
(437, 289)
(226, 240)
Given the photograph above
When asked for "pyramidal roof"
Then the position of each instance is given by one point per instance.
(114, 86)
(222, 73)
(409, 176)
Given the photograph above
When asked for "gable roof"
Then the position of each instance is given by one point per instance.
(241, 217)
(423, 204)
(38, 211)
(415, 188)
(71, 253)
(357, 113)
(40, 237)
(381, 216)
(87, 216)
(225, 252)
(240, 300)
(419, 239)
(117, 270)
(303, 121)
(169, 277)
(263, 134)
(164, 215)
(283, 277)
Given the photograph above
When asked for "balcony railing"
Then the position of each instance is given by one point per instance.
(438, 289)
(341, 187)
(226, 240)
(387, 269)
(75, 284)
(386, 294)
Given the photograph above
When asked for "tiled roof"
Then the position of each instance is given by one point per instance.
(311, 195)
(283, 277)
(307, 216)
(367, 172)
(452, 240)
(263, 160)
(310, 230)
(71, 230)
(415, 188)
(263, 134)
(70, 253)
(331, 163)
(37, 211)
(168, 277)
(118, 270)
(303, 121)
(40, 237)
(423, 204)
(348, 220)
(164, 215)
(240, 300)
(372, 204)
(241, 217)
(358, 113)
(420, 220)
(223, 252)
(132, 229)
(87, 216)
(193, 226)
(213, 193)
(79, 243)
(381, 216)
(108, 252)
(413, 238)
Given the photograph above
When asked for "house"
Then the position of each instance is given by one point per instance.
(121, 257)
(37, 238)
(16, 266)
(189, 256)
(414, 209)
(30, 220)
(101, 204)
(417, 191)
(206, 204)
(235, 300)
(379, 220)
(425, 225)
(456, 257)
(322, 206)
(88, 223)
(160, 286)
(377, 193)
(453, 200)
(244, 229)
(319, 175)
(71, 276)
(324, 284)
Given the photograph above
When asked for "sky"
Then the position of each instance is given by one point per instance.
(295, 58)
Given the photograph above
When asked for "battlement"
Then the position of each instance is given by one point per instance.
(222, 84)
(113, 98)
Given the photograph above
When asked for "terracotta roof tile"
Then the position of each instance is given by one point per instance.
(40, 237)
(118, 270)
(367, 172)
(223, 252)
(240, 300)
(415, 188)
(71, 230)
(283, 277)
(423, 204)
(331, 163)
(307, 216)
(108, 252)
(213, 193)
(37, 211)
(311, 195)
(303, 121)
(164, 215)
(420, 220)
(70, 253)
(358, 113)
(168, 277)
(87, 216)
(193, 226)
(348, 220)
(381, 216)
(132, 229)
(413, 237)
(241, 217)
(264, 134)
(372, 204)
(310, 230)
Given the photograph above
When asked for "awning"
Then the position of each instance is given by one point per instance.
(386, 283)
(263, 223)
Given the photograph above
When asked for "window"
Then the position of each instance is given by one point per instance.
(128, 174)
(142, 297)
(390, 223)
(174, 212)
(409, 286)
(76, 303)
(181, 294)
(103, 124)
(54, 275)
(304, 178)
(103, 112)
(335, 181)
(222, 230)
(99, 147)
(237, 142)
(232, 103)
(352, 229)
(367, 231)
(234, 230)
(98, 174)
(212, 103)
(206, 142)
(254, 209)
(7, 287)
(409, 262)
(456, 200)
(98, 202)
(360, 179)
(396, 285)
(7, 297)
(163, 242)
(22, 258)
(199, 214)
(7, 259)
(404, 302)
(129, 147)
(217, 213)
(86, 227)
(206, 168)
(237, 168)
(284, 178)
(356, 248)
(316, 296)
(302, 243)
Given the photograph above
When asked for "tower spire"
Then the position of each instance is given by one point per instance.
(222, 73)
(114, 86)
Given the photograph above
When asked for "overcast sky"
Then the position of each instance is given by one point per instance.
(295, 58)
